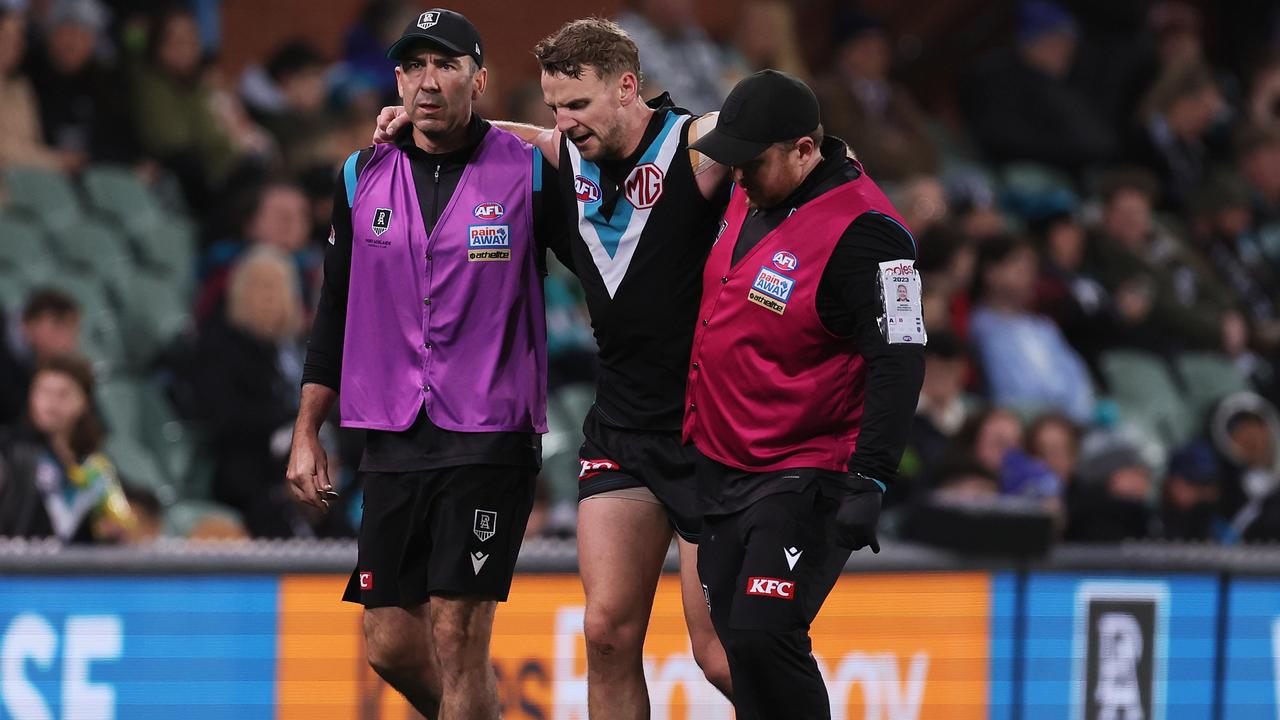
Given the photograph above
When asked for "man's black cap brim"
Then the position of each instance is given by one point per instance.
(728, 150)
(404, 43)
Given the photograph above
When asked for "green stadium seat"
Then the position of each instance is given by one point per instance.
(183, 516)
(46, 195)
(102, 343)
(1147, 396)
(1206, 379)
(91, 248)
(153, 313)
(168, 250)
(118, 193)
(138, 468)
(120, 404)
(24, 253)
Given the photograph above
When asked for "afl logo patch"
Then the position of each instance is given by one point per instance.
(644, 186)
(586, 189)
(488, 211)
(784, 260)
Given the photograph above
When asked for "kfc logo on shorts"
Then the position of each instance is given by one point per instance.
(586, 189)
(488, 211)
(486, 524)
(771, 587)
(784, 260)
(366, 581)
(593, 467)
(644, 186)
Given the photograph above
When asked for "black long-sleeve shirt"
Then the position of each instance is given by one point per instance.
(423, 445)
(849, 305)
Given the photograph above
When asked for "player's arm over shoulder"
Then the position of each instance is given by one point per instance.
(547, 140)
(708, 173)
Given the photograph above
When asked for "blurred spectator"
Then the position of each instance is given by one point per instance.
(21, 140)
(1067, 291)
(922, 200)
(1177, 27)
(248, 372)
(985, 439)
(766, 38)
(83, 109)
(1177, 137)
(365, 46)
(49, 327)
(1030, 478)
(276, 214)
(148, 514)
(973, 204)
(945, 262)
(942, 409)
(676, 55)
(181, 121)
(1026, 361)
(54, 479)
(287, 97)
(1223, 232)
(1190, 499)
(1245, 430)
(1258, 157)
(1263, 109)
(1165, 297)
(1112, 500)
(1020, 106)
(877, 117)
(1055, 439)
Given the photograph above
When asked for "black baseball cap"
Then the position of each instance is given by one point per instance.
(446, 30)
(762, 109)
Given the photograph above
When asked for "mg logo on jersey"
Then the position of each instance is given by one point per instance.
(427, 19)
(644, 186)
(771, 587)
(586, 189)
(488, 211)
(784, 260)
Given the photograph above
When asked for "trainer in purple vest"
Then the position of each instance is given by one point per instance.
(453, 322)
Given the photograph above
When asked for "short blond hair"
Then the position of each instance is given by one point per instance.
(590, 42)
(243, 314)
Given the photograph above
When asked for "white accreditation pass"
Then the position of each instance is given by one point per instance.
(903, 318)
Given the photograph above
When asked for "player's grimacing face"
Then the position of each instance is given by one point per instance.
(587, 111)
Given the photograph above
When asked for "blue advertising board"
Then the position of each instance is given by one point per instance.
(1110, 646)
(142, 648)
(1252, 689)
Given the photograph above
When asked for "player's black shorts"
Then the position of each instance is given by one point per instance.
(772, 565)
(451, 532)
(616, 459)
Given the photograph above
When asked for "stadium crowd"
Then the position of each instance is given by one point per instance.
(1097, 217)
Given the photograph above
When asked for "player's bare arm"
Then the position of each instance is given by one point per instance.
(393, 119)
(709, 174)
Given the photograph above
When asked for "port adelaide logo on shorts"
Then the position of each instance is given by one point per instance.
(486, 524)
(771, 290)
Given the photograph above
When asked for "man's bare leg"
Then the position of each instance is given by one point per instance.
(707, 650)
(400, 649)
(621, 546)
(461, 628)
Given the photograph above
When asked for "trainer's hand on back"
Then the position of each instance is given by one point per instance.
(391, 121)
(308, 473)
(858, 515)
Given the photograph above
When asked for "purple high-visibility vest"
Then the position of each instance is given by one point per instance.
(453, 322)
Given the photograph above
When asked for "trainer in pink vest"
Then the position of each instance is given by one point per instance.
(769, 387)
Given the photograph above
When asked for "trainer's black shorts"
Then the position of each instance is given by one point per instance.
(772, 565)
(615, 459)
(451, 532)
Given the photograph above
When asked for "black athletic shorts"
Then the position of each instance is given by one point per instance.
(772, 565)
(452, 532)
(616, 459)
